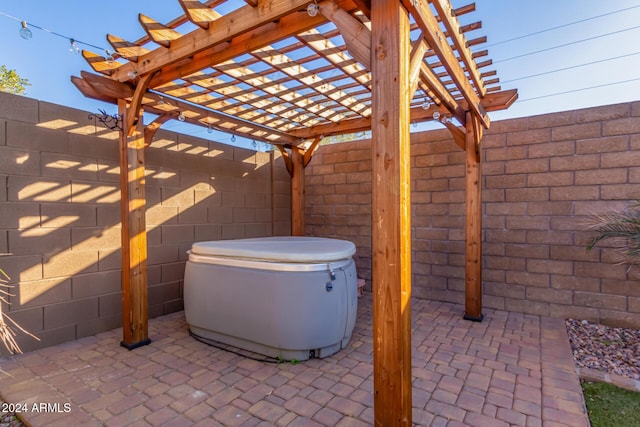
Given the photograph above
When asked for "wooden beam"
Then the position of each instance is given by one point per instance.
(235, 23)
(448, 16)
(134, 235)
(125, 48)
(437, 41)
(153, 127)
(287, 159)
(356, 35)
(308, 154)
(99, 63)
(297, 192)
(442, 94)
(133, 110)
(107, 87)
(494, 102)
(198, 13)
(459, 135)
(104, 89)
(226, 118)
(289, 25)
(473, 229)
(365, 7)
(90, 92)
(417, 61)
(391, 234)
(158, 32)
(500, 100)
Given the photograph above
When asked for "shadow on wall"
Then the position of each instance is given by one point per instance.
(60, 214)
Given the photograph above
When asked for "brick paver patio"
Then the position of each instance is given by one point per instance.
(511, 369)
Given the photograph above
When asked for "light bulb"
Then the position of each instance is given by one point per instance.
(436, 115)
(181, 116)
(209, 129)
(233, 138)
(426, 104)
(25, 32)
(445, 120)
(132, 74)
(414, 124)
(161, 101)
(313, 9)
(254, 144)
(109, 56)
(73, 47)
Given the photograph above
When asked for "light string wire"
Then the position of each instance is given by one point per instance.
(561, 26)
(70, 39)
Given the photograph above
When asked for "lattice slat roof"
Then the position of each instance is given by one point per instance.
(268, 70)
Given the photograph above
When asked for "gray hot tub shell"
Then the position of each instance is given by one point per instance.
(283, 297)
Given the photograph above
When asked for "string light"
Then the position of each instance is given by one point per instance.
(425, 105)
(73, 47)
(313, 9)
(25, 32)
(181, 116)
(436, 115)
(209, 129)
(109, 58)
(233, 138)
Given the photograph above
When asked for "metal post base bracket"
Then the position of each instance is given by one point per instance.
(135, 345)
(473, 318)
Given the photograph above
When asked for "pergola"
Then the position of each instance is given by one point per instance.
(290, 72)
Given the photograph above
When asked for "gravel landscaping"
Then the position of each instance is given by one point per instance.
(607, 349)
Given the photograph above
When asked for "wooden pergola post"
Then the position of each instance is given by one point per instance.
(297, 192)
(391, 234)
(473, 234)
(134, 233)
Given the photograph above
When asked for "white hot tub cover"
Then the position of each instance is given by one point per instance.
(293, 249)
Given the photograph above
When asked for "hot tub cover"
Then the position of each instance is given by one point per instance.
(300, 249)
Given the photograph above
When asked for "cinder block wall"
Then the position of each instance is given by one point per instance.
(542, 177)
(60, 214)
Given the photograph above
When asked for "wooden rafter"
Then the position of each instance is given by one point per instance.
(437, 41)
(491, 102)
(445, 11)
(417, 61)
(356, 35)
(128, 50)
(234, 24)
(159, 33)
(198, 13)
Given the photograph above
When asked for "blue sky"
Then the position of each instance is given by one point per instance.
(612, 48)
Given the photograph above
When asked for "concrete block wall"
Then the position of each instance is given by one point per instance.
(60, 214)
(543, 176)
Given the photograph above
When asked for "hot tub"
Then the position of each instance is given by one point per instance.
(283, 297)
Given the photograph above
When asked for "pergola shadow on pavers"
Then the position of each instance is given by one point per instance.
(511, 369)
(289, 72)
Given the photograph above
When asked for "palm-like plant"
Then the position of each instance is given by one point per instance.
(8, 327)
(624, 227)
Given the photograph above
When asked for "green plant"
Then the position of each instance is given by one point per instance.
(623, 226)
(8, 327)
(611, 406)
(10, 81)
